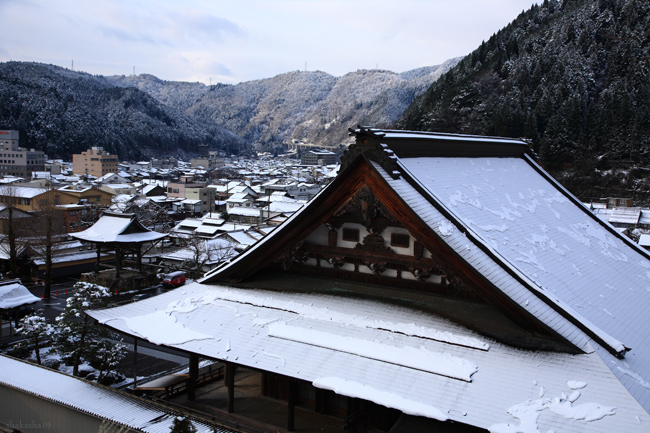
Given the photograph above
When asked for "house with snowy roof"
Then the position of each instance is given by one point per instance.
(440, 282)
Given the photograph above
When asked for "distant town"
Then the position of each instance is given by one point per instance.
(211, 207)
(212, 202)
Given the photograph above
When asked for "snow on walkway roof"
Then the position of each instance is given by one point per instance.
(14, 295)
(415, 362)
(96, 400)
(119, 228)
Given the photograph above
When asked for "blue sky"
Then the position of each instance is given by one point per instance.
(235, 41)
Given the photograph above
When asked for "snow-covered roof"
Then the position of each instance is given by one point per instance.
(625, 215)
(417, 363)
(90, 398)
(22, 191)
(644, 240)
(14, 295)
(118, 228)
(244, 211)
(531, 240)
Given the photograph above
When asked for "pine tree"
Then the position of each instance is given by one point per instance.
(182, 425)
(34, 327)
(79, 334)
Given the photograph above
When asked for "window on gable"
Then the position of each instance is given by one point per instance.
(400, 240)
(351, 235)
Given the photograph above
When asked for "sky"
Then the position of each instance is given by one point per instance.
(213, 41)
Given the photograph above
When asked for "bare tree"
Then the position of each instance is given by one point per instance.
(51, 224)
(204, 252)
(13, 231)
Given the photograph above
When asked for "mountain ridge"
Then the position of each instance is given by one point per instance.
(573, 77)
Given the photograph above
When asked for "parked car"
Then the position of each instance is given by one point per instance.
(174, 279)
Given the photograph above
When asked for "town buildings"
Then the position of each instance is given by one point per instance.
(318, 157)
(95, 161)
(17, 161)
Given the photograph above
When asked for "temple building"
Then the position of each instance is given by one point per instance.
(440, 282)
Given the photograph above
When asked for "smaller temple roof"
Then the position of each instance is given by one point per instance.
(13, 294)
(115, 227)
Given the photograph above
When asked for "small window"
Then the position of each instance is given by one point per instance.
(351, 235)
(400, 240)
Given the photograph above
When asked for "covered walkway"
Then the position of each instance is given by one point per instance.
(253, 412)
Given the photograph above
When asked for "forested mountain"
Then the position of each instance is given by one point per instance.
(63, 112)
(573, 77)
(314, 107)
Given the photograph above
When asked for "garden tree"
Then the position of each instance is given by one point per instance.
(182, 424)
(107, 356)
(79, 336)
(34, 327)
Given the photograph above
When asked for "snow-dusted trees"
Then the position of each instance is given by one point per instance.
(182, 424)
(34, 327)
(202, 253)
(80, 338)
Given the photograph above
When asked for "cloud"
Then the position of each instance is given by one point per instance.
(209, 26)
(126, 36)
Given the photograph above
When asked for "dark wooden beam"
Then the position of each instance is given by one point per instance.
(291, 404)
(194, 374)
(230, 379)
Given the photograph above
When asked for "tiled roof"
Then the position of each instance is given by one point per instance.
(90, 398)
(371, 350)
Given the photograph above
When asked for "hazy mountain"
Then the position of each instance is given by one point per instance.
(573, 77)
(314, 107)
(64, 112)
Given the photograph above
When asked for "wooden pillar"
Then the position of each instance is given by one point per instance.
(135, 363)
(291, 404)
(118, 260)
(139, 251)
(99, 253)
(230, 383)
(319, 403)
(194, 374)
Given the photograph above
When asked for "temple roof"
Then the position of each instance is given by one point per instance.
(499, 214)
(118, 228)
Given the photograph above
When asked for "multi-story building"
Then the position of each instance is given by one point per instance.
(197, 195)
(95, 161)
(210, 161)
(17, 161)
(318, 158)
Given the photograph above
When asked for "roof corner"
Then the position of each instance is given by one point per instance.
(368, 143)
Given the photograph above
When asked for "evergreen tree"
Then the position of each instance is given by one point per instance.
(79, 336)
(34, 327)
(182, 424)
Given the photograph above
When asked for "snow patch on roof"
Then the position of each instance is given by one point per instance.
(354, 389)
(420, 358)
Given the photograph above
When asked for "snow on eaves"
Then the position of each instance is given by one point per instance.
(358, 349)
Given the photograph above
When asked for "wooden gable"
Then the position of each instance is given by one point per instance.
(316, 244)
